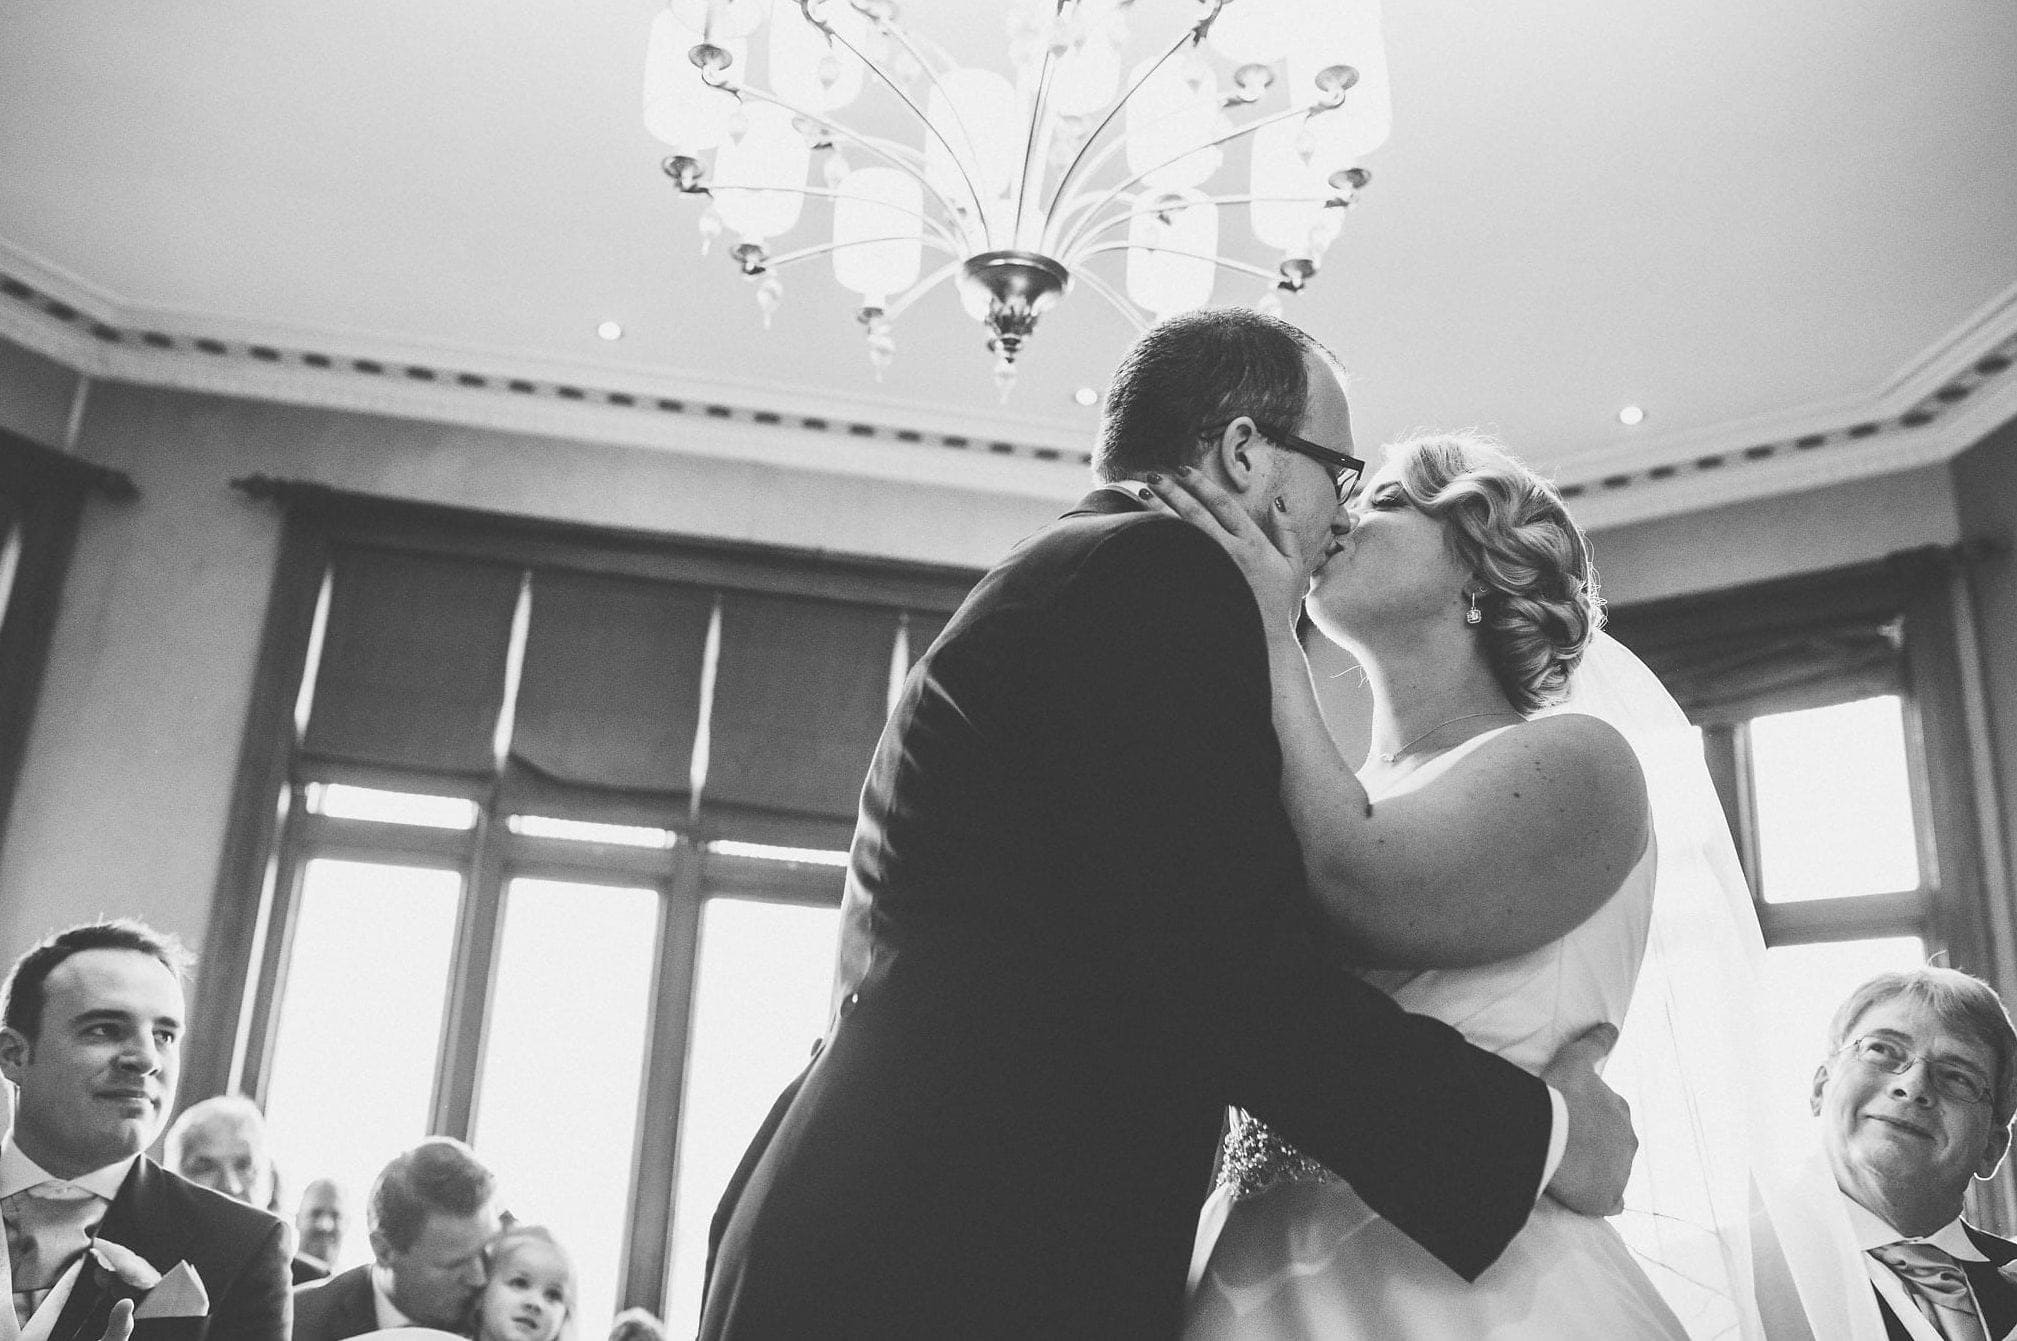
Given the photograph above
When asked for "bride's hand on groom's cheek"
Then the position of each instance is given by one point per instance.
(1271, 559)
(1597, 1162)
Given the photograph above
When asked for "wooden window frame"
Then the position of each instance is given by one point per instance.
(271, 835)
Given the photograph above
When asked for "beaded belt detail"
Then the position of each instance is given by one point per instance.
(1254, 1160)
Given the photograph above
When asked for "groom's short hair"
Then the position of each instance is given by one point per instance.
(1196, 370)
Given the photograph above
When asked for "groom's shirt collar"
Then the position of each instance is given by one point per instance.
(1139, 494)
(18, 1173)
(387, 1312)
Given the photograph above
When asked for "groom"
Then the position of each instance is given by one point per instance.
(1075, 929)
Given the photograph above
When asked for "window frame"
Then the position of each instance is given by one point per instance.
(1915, 595)
(272, 836)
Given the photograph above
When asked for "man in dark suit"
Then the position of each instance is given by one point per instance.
(1915, 1099)
(93, 1024)
(1075, 928)
(431, 1214)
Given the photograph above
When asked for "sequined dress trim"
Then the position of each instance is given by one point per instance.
(1254, 1160)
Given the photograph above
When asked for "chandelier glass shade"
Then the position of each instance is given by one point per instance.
(1100, 160)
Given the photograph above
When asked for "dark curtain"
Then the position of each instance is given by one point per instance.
(800, 698)
(413, 663)
(609, 702)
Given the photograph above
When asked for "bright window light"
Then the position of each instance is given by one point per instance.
(1802, 987)
(1834, 802)
(815, 856)
(341, 801)
(585, 831)
(556, 1108)
(360, 1027)
(761, 996)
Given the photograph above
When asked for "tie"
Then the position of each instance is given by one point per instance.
(48, 1226)
(1938, 1287)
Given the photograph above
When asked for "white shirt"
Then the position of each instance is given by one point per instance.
(1870, 1231)
(17, 1174)
(1558, 1107)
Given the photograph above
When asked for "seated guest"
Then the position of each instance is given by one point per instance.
(430, 1215)
(221, 1144)
(90, 1037)
(1915, 1099)
(318, 1226)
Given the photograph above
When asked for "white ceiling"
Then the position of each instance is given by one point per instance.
(1756, 220)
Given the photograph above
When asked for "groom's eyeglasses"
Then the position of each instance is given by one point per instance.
(1961, 1083)
(1345, 470)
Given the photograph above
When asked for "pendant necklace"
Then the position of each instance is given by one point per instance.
(1467, 717)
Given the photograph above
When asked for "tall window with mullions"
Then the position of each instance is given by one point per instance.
(1837, 722)
(560, 862)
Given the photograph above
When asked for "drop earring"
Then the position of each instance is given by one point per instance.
(1473, 616)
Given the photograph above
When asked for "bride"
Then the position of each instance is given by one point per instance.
(1491, 863)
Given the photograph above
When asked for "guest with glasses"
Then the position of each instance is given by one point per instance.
(1915, 1099)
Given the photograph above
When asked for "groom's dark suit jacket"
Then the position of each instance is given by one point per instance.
(1996, 1295)
(239, 1252)
(1075, 929)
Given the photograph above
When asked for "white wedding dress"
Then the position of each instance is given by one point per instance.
(1287, 1250)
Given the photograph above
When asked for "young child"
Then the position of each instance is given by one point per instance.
(530, 1294)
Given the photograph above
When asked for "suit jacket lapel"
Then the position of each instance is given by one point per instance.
(130, 1222)
(1993, 1290)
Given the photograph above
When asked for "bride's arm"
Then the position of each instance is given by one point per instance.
(1508, 850)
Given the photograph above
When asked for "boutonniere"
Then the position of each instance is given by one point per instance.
(128, 1275)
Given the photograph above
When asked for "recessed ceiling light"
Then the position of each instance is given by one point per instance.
(1630, 415)
(609, 330)
(1085, 395)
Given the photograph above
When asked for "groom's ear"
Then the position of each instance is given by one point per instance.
(1233, 455)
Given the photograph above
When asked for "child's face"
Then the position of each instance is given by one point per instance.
(525, 1298)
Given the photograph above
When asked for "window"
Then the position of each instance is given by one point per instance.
(1831, 719)
(542, 847)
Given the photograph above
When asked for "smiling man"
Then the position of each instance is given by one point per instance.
(92, 1041)
(1915, 1099)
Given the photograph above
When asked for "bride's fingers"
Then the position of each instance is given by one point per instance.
(1283, 536)
(1204, 505)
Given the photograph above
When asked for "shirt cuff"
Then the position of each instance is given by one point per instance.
(1558, 1138)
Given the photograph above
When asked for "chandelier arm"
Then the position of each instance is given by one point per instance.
(1071, 169)
(1037, 110)
(808, 253)
(1217, 202)
(1237, 133)
(1238, 267)
(902, 39)
(1120, 304)
(951, 243)
(921, 288)
(894, 160)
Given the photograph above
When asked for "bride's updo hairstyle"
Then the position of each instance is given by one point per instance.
(1536, 587)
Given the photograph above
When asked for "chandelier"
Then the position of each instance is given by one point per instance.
(1097, 154)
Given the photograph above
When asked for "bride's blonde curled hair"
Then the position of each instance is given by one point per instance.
(1530, 561)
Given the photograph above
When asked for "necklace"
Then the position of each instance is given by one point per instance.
(1467, 717)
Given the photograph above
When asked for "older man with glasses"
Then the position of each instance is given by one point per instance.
(1915, 1099)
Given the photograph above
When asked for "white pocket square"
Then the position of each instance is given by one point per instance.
(179, 1295)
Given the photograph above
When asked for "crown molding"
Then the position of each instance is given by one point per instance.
(1943, 402)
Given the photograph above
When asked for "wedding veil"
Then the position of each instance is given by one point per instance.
(1740, 1244)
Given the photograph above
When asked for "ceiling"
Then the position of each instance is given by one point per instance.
(1788, 231)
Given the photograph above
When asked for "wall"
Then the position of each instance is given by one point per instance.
(35, 395)
(130, 767)
(1985, 494)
